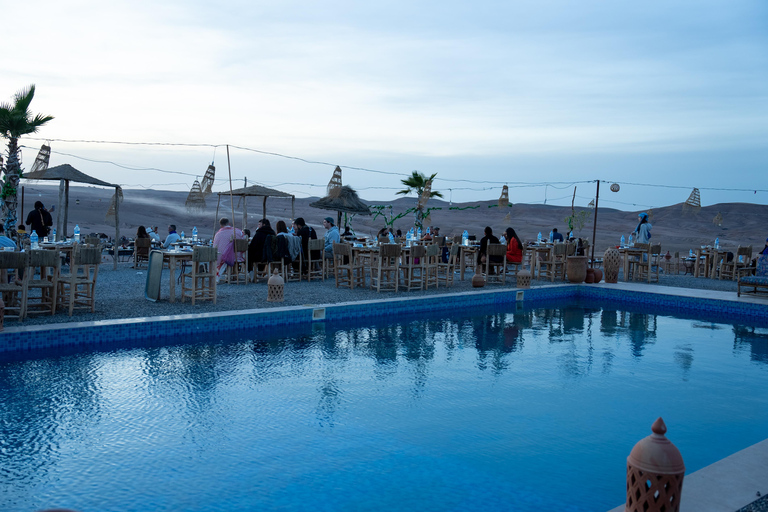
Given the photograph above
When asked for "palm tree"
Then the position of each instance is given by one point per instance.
(15, 121)
(417, 182)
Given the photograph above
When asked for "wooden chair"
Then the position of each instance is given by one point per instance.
(386, 274)
(495, 267)
(42, 275)
(634, 261)
(77, 290)
(644, 266)
(96, 241)
(446, 271)
(431, 261)
(238, 273)
(314, 265)
(555, 262)
(141, 248)
(742, 258)
(349, 272)
(200, 282)
(15, 292)
(514, 268)
(413, 268)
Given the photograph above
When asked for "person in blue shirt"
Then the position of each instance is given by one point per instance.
(331, 236)
(4, 240)
(172, 237)
(556, 237)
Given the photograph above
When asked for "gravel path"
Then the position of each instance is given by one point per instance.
(120, 294)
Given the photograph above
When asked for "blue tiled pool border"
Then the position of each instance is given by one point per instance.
(107, 333)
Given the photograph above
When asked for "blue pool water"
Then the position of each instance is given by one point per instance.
(499, 409)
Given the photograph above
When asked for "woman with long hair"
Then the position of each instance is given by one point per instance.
(643, 229)
(514, 246)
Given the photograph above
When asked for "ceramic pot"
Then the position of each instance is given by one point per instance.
(598, 275)
(576, 268)
(611, 264)
(478, 281)
(590, 276)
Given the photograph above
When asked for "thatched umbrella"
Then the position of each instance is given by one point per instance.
(342, 199)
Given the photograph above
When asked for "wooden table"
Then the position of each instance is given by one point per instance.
(467, 254)
(173, 257)
(66, 249)
(706, 259)
(536, 251)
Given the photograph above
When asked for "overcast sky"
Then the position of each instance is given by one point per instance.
(659, 96)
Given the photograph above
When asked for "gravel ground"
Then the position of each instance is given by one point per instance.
(120, 294)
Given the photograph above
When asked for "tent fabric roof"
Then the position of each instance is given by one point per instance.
(66, 172)
(342, 199)
(256, 190)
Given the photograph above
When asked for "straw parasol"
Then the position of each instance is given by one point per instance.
(342, 199)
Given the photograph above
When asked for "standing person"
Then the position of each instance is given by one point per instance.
(224, 242)
(514, 246)
(256, 247)
(489, 238)
(331, 236)
(40, 220)
(556, 237)
(172, 237)
(643, 229)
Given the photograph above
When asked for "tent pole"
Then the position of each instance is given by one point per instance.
(66, 208)
(264, 208)
(216, 217)
(293, 207)
(231, 199)
(245, 205)
(594, 230)
(60, 216)
(116, 246)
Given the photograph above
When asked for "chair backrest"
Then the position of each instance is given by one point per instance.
(743, 254)
(655, 249)
(44, 258)
(202, 254)
(317, 244)
(13, 259)
(496, 250)
(457, 239)
(86, 255)
(418, 251)
(761, 266)
(142, 243)
(389, 251)
(439, 241)
(383, 239)
(342, 249)
(560, 250)
(433, 251)
(642, 246)
(241, 245)
(92, 240)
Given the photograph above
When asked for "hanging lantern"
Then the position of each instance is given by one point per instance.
(718, 220)
(43, 157)
(693, 204)
(425, 195)
(207, 185)
(195, 200)
(591, 204)
(615, 187)
(335, 180)
(117, 196)
(504, 199)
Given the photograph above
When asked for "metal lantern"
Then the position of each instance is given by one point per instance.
(524, 279)
(275, 287)
(655, 472)
(615, 187)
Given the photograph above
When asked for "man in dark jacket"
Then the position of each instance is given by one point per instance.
(39, 219)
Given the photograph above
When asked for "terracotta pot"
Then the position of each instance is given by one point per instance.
(590, 276)
(576, 268)
(598, 275)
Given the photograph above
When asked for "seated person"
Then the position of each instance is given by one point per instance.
(256, 247)
(152, 232)
(4, 240)
(224, 242)
(347, 234)
(331, 236)
(514, 246)
(306, 233)
(142, 252)
(172, 237)
(294, 242)
(489, 238)
(556, 237)
(434, 232)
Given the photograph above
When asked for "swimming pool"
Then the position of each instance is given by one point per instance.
(501, 407)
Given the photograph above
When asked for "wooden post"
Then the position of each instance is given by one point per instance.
(264, 208)
(66, 208)
(116, 246)
(293, 207)
(62, 214)
(245, 205)
(594, 230)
